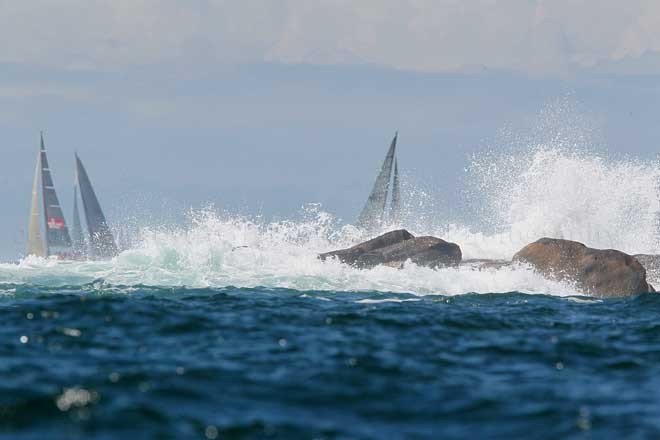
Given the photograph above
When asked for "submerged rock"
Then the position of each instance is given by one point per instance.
(395, 248)
(600, 273)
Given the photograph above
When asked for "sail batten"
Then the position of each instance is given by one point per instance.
(101, 241)
(373, 213)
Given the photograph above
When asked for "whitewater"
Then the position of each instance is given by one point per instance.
(230, 326)
(553, 189)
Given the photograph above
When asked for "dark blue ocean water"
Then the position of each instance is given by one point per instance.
(108, 362)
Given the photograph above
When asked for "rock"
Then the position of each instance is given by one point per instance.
(652, 265)
(601, 273)
(395, 248)
(484, 263)
(351, 255)
(423, 251)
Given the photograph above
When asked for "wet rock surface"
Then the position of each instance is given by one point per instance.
(598, 272)
(395, 248)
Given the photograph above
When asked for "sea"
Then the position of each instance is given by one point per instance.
(230, 327)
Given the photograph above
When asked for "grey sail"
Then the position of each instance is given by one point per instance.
(35, 244)
(76, 230)
(373, 213)
(58, 241)
(101, 241)
(395, 209)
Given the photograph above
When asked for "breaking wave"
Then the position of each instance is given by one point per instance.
(548, 191)
(562, 193)
(216, 251)
(549, 184)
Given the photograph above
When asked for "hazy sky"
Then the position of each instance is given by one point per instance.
(261, 106)
(542, 36)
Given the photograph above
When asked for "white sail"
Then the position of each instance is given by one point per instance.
(395, 208)
(373, 213)
(77, 237)
(35, 245)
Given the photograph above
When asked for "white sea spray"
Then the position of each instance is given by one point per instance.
(550, 182)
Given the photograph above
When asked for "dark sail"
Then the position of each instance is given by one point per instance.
(76, 230)
(395, 209)
(58, 241)
(373, 213)
(101, 242)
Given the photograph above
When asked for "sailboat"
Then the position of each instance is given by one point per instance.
(101, 242)
(56, 241)
(375, 213)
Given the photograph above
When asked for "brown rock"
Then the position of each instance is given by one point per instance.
(395, 248)
(352, 254)
(600, 273)
(485, 263)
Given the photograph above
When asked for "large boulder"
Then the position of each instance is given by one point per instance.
(395, 248)
(601, 273)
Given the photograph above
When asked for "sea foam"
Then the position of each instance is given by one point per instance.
(548, 183)
(219, 251)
